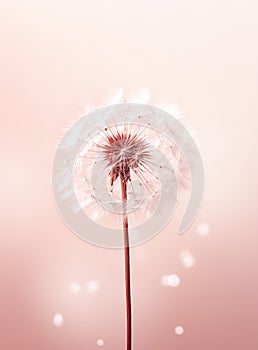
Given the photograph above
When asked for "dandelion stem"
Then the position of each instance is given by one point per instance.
(127, 267)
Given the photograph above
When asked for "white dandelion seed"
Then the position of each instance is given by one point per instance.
(141, 96)
(117, 97)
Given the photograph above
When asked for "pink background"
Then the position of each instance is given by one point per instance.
(56, 56)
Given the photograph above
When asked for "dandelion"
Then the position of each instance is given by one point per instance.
(120, 167)
(125, 153)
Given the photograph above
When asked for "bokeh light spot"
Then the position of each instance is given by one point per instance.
(170, 280)
(100, 342)
(187, 259)
(179, 330)
(92, 286)
(75, 288)
(203, 229)
(58, 320)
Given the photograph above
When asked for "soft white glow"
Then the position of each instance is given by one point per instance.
(75, 288)
(203, 229)
(58, 320)
(187, 259)
(179, 330)
(170, 280)
(100, 342)
(92, 286)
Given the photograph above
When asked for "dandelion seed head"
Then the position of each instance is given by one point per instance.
(134, 154)
(140, 145)
(123, 152)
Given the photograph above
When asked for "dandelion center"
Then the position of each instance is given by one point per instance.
(123, 152)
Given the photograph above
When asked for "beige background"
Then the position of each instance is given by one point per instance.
(56, 56)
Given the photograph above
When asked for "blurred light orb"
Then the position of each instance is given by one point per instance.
(75, 288)
(203, 229)
(170, 280)
(187, 259)
(100, 342)
(92, 286)
(179, 330)
(58, 320)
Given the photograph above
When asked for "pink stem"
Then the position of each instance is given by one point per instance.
(127, 269)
